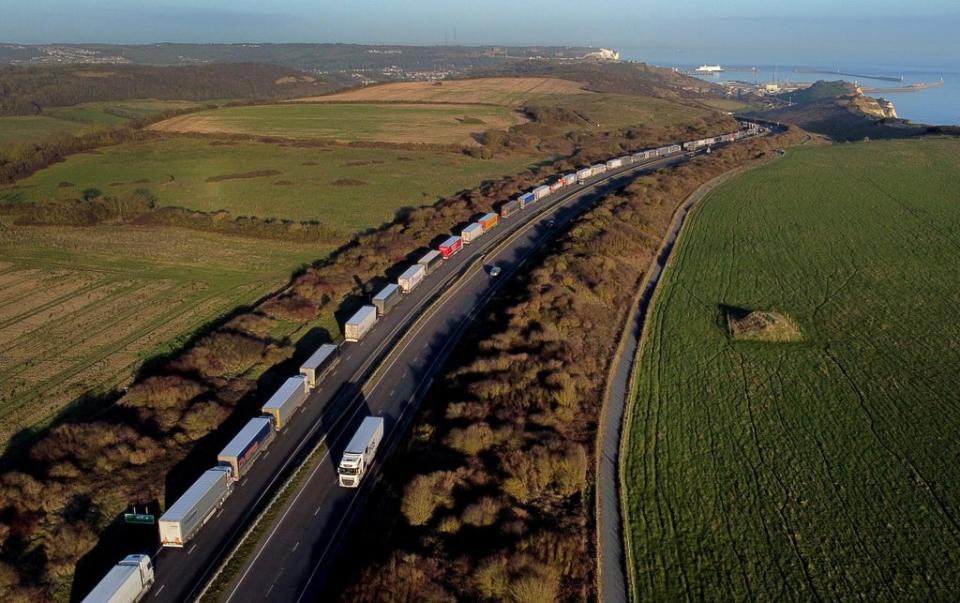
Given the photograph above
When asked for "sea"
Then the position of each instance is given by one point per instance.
(933, 106)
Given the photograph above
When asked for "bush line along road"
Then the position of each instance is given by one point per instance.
(296, 553)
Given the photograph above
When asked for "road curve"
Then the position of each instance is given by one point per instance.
(300, 549)
(369, 380)
(612, 561)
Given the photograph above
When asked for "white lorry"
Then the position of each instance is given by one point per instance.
(360, 324)
(359, 453)
(195, 507)
(126, 582)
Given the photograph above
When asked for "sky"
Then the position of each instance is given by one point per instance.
(911, 30)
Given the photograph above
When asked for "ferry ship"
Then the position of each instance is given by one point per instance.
(710, 69)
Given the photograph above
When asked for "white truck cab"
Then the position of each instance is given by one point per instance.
(360, 452)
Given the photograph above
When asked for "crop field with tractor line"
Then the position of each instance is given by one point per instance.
(794, 431)
(80, 308)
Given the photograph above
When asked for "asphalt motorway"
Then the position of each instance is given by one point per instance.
(385, 374)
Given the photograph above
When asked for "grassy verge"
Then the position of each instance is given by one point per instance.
(216, 589)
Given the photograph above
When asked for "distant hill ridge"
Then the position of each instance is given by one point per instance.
(27, 90)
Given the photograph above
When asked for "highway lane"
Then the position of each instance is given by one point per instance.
(299, 550)
(181, 573)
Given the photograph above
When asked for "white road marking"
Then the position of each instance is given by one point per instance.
(295, 546)
(391, 392)
(157, 594)
(317, 511)
(220, 512)
(192, 548)
(266, 454)
(244, 481)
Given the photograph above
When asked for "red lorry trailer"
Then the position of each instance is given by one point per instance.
(450, 247)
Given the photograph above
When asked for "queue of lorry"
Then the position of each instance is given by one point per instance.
(132, 577)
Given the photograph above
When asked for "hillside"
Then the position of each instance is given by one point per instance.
(605, 76)
(379, 62)
(31, 90)
(837, 110)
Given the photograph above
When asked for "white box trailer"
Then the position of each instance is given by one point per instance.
(613, 163)
(360, 323)
(471, 232)
(360, 452)
(597, 169)
(569, 179)
(411, 277)
(285, 401)
(540, 192)
(126, 582)
(240, 454)
(195, 507)
(387, 298)
(431, 261)
(320, 362)
(584, 174)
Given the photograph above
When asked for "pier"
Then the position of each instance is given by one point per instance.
(885, 78)
(908, 88)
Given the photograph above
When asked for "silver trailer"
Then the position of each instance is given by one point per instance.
(411, 277)
(387, 298)
(360, 452)
(285, 401)
(197, 505)
(509, 208)
(240, 454)
(569, 179)
(431, 260)
(471, 232)
(613, 163)
(584, 174)
(324, 359)
(597, 169)
(126, 582)
(674, 148)
(639, 157)
(540, 192)
(360, 323)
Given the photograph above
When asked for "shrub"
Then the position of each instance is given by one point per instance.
(484, 512)
(472, 440)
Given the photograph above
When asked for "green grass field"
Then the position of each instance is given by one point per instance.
(80, 119)
(824, 469)
(416, 123)
(622, 111)
(350, 189)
